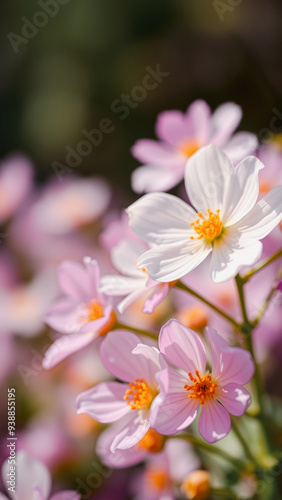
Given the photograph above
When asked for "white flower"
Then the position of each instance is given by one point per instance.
(226, 221)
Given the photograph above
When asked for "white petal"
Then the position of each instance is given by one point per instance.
(240, 145)
(170, 262)
(117, 285)
(125, 255)
(208, 175)
(228, 257)
(161, 218)
(224, 121)
(265, 215)
(129, 299)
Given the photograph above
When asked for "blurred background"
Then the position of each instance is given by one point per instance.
(66, 75)
(71, 69)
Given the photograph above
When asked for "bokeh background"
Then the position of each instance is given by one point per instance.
(64, 79)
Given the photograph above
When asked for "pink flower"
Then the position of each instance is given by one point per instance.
(133, 400)
(135, 282)
(84, 313)
(16, 177)
(185, 391)
(181, 135)
(33, 481)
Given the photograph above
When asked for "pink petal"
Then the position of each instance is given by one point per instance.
(159, 294)
(229, 364)
(132, 432)
(74, 280)
(96, 325)
(224, 121)
(175, 411)
(234, 398)
(152, 178)
(173, 127)
(117, 357)
(182, 347)
(66, 495)
(199, 113)
(151, 362)
(132, 297)
(104, 402)
(65, 316)
(148, 151)
(120, 458)
(93, 272)
(214, 422)
(64, 346)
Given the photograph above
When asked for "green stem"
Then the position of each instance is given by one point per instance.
(224, 492)
(187, 289)
(243, 442)
(261, 266)
(139, 331)
(238, 464)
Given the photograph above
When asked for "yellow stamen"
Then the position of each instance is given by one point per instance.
(95, 310)
(152, 441)
(209, 227)
(156, 478)
(197, 485)
(188, 147)
(139, 395)
(203, 388)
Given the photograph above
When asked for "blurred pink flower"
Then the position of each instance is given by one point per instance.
(183, 392)
(116, 229)
(82, 315)
(134, 400)
(181, 135)
(16, 178)
(33, 481)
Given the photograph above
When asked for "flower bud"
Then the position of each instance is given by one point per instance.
(196, 486)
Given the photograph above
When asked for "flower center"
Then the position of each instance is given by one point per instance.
(139, 395)
(152, 441)
(203, 388)
(95, 310)
(195, 317)
(188, 147)
(156, 478)
(208, 226)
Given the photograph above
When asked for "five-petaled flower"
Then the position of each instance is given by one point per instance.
(134, 399)
(181, 136)
(228, 222)
(186, 390)
(83, 315)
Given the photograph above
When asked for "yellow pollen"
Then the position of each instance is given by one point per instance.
(264, 187)
(95, 310)
(188, 147)
(152, 441)
(203, 388)
(195, 317)
(156, 478)
(208, 226)
(139, 395)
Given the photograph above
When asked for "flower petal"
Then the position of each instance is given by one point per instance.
(240, 145)
(229, 256)
(224, 121)
(64, 346)
(117, 285)
(265, 215)
(132, 432)
(132, 297)
(152, 178)
(149, 151)
(152, 361)
(31, 474)
(174, 126)
(175, 411)
(157, 296)
(66, 495)
(104, 402)
(214, 422)
(199, 113)
(124, 257)
(170, 262)
(116, 354)
(234, 398)
(182, 347)
(229, 364)
(161, 218)
(74, 280)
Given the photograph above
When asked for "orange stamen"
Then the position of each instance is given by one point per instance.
(139, 395)
(203, 388)
(188, 147)
(152, 441)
